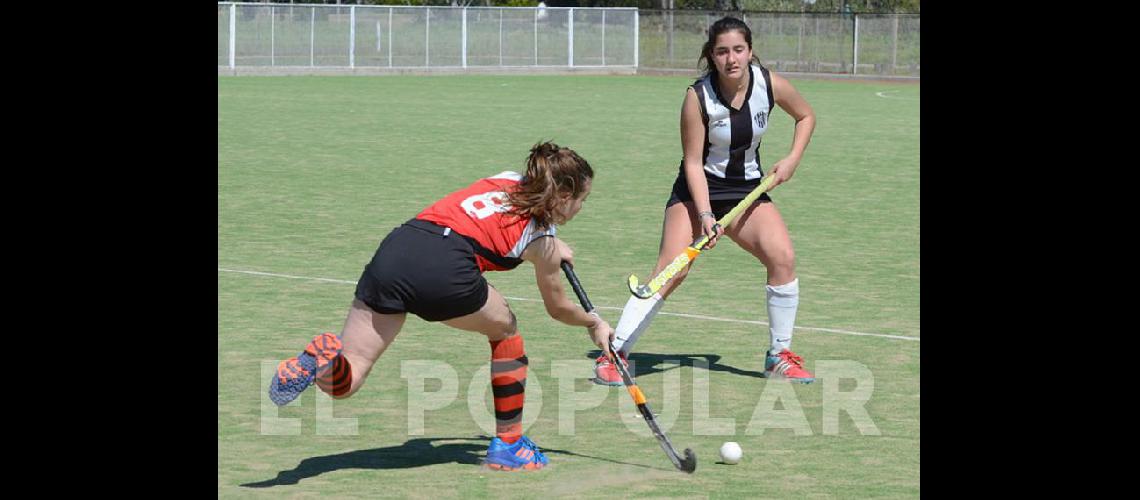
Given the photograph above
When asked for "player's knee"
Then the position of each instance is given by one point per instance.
(503, 329)
(512, 326)
(783, 263)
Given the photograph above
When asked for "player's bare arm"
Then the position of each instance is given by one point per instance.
(790, 100)
(546, 255)
(692, 145)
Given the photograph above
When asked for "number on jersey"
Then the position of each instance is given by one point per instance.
(485, 205)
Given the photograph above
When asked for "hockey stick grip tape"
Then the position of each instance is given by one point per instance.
(577, 286)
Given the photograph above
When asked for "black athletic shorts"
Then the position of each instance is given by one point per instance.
(425, 269)
(724, 194)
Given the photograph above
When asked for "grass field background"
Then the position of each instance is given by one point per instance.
(314, 171)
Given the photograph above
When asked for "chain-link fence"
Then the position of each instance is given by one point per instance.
(364, 36)
(886, 45)
(331, 36)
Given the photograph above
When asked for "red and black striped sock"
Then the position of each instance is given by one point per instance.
(336, 380)
(508, 384)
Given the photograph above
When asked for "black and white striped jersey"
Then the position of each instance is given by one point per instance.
(732, 137)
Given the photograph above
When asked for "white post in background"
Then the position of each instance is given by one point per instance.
(352, 36)
(669, 35)
(312, 33)
(233, 32)
(272, 35)
(389, 37)
(570, 47)
(800, 40)
(427, 37)
(464, 31)
(636, 23)
(603, 37)
(894, 43)
(535, 36)
(855, 48)
(814, 48)
(500, 37)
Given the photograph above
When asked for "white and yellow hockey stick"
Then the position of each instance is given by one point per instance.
(692, 251)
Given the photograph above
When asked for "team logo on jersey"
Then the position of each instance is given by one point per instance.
(720, 123)
(761, 119)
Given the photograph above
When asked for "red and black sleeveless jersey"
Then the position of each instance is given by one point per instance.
(479, 212)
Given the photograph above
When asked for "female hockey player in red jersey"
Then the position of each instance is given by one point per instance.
(432, 266)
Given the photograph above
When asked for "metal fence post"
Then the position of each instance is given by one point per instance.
(427, 37)
(272, 35)
(800, 42)
(570, 46)
(855, 47)
(894, 43)
(603, 37)
(233, 32)
(352, 36)
(312, 33)
(464, 31)
(636, 37)
(815, 47)
(390, 37)
(501, 37)
(536, 36)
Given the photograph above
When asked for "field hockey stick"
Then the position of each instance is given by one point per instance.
(644, 291)
(689, 462)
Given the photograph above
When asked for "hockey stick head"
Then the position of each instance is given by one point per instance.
(638, 289)
(689, 463)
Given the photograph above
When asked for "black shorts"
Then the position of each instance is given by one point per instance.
(424, 269)
(723, 194)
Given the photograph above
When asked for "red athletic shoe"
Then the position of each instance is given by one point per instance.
(787, 365)
(605, 373)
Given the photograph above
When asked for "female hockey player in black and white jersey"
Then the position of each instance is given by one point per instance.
(723, 117)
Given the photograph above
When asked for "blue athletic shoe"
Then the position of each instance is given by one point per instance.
(295, 374)
(522, 455)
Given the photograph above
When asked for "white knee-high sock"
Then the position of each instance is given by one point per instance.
(783, 300)
(635, 319)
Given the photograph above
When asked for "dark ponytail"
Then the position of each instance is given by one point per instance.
(551, 171)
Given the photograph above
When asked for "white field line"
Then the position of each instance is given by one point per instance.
(884, 95)
(682, 315)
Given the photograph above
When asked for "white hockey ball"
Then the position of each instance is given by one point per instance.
(730, 452)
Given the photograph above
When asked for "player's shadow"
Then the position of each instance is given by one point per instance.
(648, 363)
(419, 452)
